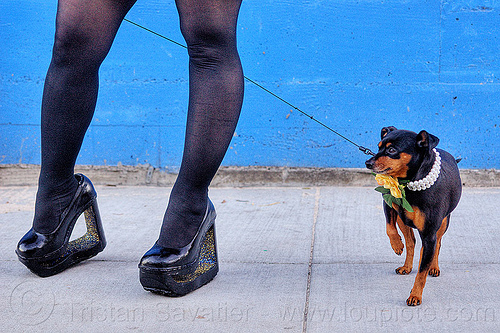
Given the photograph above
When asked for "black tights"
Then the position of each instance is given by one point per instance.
(85, 30)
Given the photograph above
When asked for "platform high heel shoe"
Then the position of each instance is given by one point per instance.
(178, 271)
(49, 254)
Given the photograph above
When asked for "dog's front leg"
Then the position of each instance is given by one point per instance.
(391, 217)
(410, 248)
(426, 257)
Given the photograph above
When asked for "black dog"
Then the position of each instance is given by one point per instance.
(433, 192)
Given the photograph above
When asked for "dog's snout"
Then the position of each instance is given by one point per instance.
(370, 163)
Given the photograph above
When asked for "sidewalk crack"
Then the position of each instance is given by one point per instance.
(311, 254)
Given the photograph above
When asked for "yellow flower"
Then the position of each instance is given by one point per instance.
(389, 183)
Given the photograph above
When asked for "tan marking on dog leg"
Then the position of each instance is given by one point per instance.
(410, 248)
(394, 238)
(418, 287)
(392, 231)
(434, 268)
(417, 217)
(427, 252)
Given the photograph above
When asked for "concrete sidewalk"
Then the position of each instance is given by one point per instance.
(292, 259)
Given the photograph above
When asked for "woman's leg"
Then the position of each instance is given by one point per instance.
(215, 99)
(85, 30)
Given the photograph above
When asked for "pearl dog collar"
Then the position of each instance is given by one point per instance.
(430, 179)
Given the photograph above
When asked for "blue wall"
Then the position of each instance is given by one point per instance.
(356, 65)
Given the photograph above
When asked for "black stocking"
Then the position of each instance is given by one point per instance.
(84, 34)
(215, 98)
(85, 30)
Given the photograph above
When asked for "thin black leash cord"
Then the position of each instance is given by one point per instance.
(361, 148)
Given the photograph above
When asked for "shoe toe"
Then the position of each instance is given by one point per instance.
(31, 243)
(159, 257)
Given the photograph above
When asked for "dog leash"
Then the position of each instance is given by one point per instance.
(361, 148)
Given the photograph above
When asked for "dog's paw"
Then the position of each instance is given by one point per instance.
(403, 270)
(435, 272)
(413, 300)
(397, 246)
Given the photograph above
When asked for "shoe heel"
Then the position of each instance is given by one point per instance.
(93, 241)
(181, 281)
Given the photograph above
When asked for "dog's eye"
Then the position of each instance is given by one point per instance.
(392, 150)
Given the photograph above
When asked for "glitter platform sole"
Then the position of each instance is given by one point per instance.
(49, 254)
(177, 272)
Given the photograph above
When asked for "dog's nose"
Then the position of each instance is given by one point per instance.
(369, 164)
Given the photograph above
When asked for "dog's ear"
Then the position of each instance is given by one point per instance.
(386, 130)
(426, 141)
